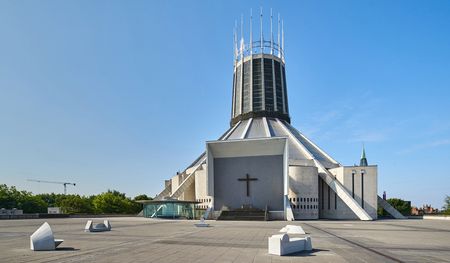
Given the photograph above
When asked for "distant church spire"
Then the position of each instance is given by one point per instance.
(363, 161)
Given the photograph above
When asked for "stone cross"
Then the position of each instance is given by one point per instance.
(247, 179)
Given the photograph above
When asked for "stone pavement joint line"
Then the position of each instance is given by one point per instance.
(358, 244)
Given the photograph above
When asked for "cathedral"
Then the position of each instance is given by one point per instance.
(262, 163)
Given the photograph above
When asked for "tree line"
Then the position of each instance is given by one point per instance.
(110, 202)
(404, 207)
(446, 207)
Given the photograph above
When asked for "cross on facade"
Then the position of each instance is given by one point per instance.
(247, 179)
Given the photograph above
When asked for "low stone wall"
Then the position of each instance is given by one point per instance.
(102, 215)
(437, 217)
(23, 216)
(36, 216)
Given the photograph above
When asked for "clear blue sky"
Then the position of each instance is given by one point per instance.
(122, 94)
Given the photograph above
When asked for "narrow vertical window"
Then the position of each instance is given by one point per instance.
(329, 198)
(335, 201)
(353, 183)
(234, 95)
(246, 87)
(257, 85)
(285, 90)
(278, 86)
(268, 85)
(238, 94)
(323, 199)
(362, 188)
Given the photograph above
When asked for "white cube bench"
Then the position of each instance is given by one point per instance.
(283, 245)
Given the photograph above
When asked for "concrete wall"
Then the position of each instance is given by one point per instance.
(355, 187)
(436, 217)
(167, 183)
(200, 189)
(304, 192)
(188, 194)
(267, 190)
(176, 181)
(276, 215)
(331, 206)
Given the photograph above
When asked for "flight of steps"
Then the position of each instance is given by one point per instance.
(243, 215)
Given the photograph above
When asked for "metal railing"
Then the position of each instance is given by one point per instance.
(255, 47)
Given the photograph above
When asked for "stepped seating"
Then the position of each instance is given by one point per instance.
(248, 214)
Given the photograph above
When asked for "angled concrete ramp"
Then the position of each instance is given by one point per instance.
(340, 190)
(327, 177)
(390, 209)
(164, 193)
(188, 181)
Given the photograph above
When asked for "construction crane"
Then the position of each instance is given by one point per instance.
(51, 182)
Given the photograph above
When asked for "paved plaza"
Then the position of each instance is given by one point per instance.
(147, 240)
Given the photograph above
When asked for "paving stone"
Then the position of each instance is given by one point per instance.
(146, 240)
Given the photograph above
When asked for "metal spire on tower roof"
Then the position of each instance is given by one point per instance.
(242, 37)
(235, 40)
(282, 36)
(271, 32)
(278, 37)
(363, 161)
(273, 46)
(261, 30)
(251, 32)
(242, 27)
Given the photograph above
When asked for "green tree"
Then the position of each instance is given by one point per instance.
(404, 207)
(10, 198)
(446, 206)
(114, 202)
(142, 197)
(108, 202)
(33, 204)
(381, 212)
(52, 199)
(75, 204)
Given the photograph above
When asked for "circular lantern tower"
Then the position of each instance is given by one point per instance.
(259, 76)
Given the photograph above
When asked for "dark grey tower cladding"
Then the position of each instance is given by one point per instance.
(259, 77)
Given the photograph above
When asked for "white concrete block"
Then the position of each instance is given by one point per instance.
(283, 245)
(88, 226)
(107, 224)
(308, 244)
(43, 239)
(101, 227)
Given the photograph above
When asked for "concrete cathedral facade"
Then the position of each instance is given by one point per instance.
(262, 162)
